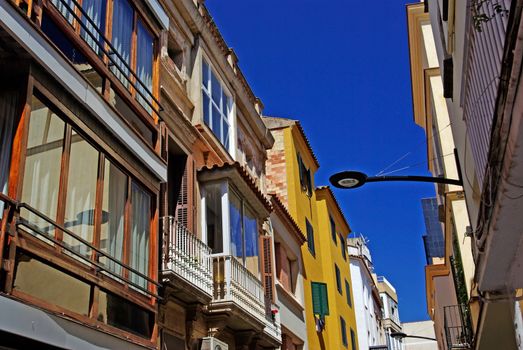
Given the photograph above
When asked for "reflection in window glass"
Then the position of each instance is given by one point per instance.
(113, 211)
(81, 194)
(235, 221)
(42, 164)
(213, 214)
(122, 36)
(140, 232)
(251, 242)
(144, 65)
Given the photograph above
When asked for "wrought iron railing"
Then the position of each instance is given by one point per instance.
(457, 326)
(104, 46)
(186, 255)
(233, 282)
(13, 218)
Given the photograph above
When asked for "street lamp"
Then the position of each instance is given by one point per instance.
(401, 335)
(355, 179)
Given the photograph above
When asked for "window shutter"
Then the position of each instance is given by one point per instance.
(268, 278)
(320, 301)
(300, 170)
(184, 205)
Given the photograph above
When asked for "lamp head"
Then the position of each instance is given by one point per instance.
(398, 335)
(348, 179)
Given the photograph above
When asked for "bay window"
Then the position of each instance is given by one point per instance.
(239, 237)
(77, 186)
(217, 106)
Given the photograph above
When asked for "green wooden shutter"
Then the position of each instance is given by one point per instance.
(320, 300)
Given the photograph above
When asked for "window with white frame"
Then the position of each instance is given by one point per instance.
(230, 225)
(217, 106)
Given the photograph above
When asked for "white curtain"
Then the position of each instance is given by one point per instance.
(95, 10)
(9, 101)
(122, 34)
(140, 231)
(144, 65)
(115, 194)
(65, 7)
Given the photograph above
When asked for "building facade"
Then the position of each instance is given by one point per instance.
(422, 329)
(391, 316)
(291, 165)
(465, 59)
(433, 240)
(368, 304)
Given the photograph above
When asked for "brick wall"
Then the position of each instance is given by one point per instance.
(276, 167)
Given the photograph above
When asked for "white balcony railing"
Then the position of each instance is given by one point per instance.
(186, 255)
(234, 283)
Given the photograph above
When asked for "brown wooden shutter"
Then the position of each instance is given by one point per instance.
(267, 273)
(184, 204)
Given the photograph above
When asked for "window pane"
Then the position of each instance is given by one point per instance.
(81, 193)
(113, 211)
(216, 89)
(48, 284)
(206, 109)
(235, 221)
(225, 137)
(66, 7)
(252, 261)
(205, 79)
(42, 164)
(95, 10)
(140, 231)
(122, 34)
(144, 65)
(216, 122)
(213, 214)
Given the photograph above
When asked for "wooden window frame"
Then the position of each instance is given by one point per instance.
(53, 255)
(101, 64)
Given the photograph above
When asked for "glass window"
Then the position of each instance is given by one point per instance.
(140, 233)
(123, 18)
(338, 279)
(310, 237)
(213, 215)
(94, 23)
(144, 65)
(43, 162)
(343, 326)
(216, 104)
(81, 193)
(113, 213)
(250, 225)
(235, 222)
(347, 293)
(333, 230)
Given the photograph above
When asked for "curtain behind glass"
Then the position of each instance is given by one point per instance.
(122, 35)
(81, 194)
(235, 222)
(95, 9)
(251, 242)
(140, 231)
(42, 163)
(113, 211)
(144, 65)
(9, 101)
(65, 7)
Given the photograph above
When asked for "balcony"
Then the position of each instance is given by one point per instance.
(187, 260)
(80, 32)
(457, 327)
(234, 283)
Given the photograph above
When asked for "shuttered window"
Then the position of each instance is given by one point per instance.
(333, 230)
(320, 300)
(310, 237)
(353, 340)
(184, 201)
(268, 278)
(343, 326)
(338, 279)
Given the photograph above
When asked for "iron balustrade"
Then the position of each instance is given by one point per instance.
(457, 326)
(234, 283)
(109, 54)
(20, 223)
(186, 255)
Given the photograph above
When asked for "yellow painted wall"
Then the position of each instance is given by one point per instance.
(331, 255)
(318, 268)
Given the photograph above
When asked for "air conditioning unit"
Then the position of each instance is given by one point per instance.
(211, 343)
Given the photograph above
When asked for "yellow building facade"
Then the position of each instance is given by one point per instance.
(291, 166)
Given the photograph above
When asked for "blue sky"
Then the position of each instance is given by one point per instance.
(342, 68)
